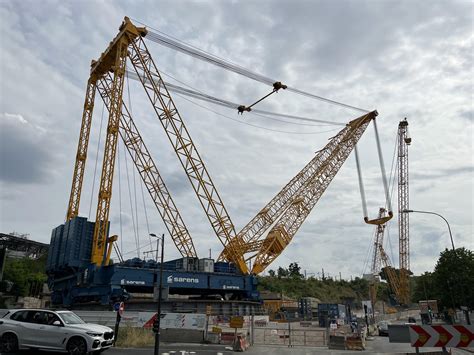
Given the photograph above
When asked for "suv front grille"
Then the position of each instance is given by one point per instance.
(108, 335)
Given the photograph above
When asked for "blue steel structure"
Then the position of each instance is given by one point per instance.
(74, 280)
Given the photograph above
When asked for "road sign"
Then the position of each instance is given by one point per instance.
(116, 306)
(208, 310)
(458, 336)
(237, 322)
(121, 308)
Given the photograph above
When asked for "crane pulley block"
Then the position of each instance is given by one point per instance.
(276, 87)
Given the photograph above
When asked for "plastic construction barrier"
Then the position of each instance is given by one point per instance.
(241, 343)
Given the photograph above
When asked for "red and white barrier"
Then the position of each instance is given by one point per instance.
(455, 336)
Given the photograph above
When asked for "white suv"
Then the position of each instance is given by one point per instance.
(52, 330)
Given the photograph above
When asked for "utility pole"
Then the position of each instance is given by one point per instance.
(156, 325)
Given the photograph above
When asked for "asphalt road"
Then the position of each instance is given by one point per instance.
(379, 345)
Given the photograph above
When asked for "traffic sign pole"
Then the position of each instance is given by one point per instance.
(119, 308)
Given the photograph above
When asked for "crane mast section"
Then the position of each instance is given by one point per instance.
(112, 60)
(393, 279)
(114, 95)
(379, 232)
(81, 155)
(151, 177)
(403, 204)
(249, 234)
(185, 149)
(302, 204)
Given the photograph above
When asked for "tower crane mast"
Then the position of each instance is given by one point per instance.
(403, 204)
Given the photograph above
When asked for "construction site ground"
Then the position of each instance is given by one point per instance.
(379, 345)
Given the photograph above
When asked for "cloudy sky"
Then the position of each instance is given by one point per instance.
(409, 59)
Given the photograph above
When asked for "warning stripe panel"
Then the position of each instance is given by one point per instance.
(456, 336)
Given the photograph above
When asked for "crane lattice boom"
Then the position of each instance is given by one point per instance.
(249, 236)
(332, 157)
(151, 177)
(184, 147)
(393, 279)
(379, 232)
(284, 214)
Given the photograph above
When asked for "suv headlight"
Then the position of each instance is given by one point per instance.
(92, 334)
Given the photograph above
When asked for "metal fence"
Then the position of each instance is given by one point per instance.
(290, 337)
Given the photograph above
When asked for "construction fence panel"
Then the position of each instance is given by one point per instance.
(289, 335)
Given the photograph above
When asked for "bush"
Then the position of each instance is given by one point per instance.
(135, 337)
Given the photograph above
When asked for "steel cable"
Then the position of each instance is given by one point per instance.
(167, 41)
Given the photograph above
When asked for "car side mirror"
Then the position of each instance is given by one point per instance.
(57, 323)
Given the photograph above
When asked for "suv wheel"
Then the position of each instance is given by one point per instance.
(9, 343)
(76, 346)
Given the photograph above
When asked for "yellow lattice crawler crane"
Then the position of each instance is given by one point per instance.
(265, 237)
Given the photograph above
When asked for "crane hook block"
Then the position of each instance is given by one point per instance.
(278, 85)
(379, 221)
(243, 108)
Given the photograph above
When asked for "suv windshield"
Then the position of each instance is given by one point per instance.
(70, 318)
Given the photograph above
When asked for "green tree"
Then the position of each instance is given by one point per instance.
(281, 272)
(424, 287)
(294, 271)
(271, 273)
(454, 278)
(24, 271)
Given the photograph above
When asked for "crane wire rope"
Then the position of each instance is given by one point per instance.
(137, 223)
(130, 200)
(379, 220)
(382, 167)
(393, 179)
(200, 95)
(145, 210)
(166, 40)
(96, 160)
(120, 194)
(252, 125)
(134, 250)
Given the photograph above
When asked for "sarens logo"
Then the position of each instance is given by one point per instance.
(131, 282)
(170, 279)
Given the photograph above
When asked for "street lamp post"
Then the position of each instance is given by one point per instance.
(436, 214)
(156, 326)
(454, 250)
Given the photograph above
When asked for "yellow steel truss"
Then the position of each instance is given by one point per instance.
(333, 156)
(81, 155)
(393, 279)
(285, 212)
(150, 175)
(185, 149)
